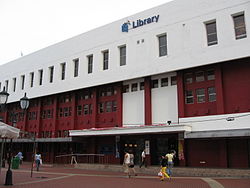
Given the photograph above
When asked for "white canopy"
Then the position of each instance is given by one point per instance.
(7, 131)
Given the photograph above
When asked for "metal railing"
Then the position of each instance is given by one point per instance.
(82, 158)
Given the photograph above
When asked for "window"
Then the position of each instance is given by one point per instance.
(76, 67)
(164, 82)
(79, 110)
(173, 80)
(122, 55)
(110, 91)
(66, 111)
(85, 109)
(49, 114)
(114, 104)
(14, 84)
(23, 80)
(189, 97)
(162, 45)
(105, 60)
(154, 83)
(6, 85)
(40, 77)
(90, 64)
(141, 85)
(109, 106)
(210, 75)
(211, 33)
(125, 88)
(200, 94)
(188, 78)
(31, 79)
(51, 74)
(239, 26)
(101, 108)
(134, 87)
(199, 76)
(63, 69)
(211, 94)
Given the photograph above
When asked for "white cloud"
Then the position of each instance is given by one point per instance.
(29, 25)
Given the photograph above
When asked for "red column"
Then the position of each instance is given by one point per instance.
(95, 107)
(39, 126)
(148, 101)
(119, 105)
(219, 90)
(54, 135)
(181, 95)
(73, 113)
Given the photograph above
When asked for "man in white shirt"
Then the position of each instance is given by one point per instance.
(143, 159)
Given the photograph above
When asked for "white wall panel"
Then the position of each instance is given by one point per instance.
(183, 21)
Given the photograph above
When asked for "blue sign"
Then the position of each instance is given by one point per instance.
(138, 23)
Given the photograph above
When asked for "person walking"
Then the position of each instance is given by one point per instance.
(143, 159)
(38, 160)
(126, 163)
(170, 157)
(73, 157)
(131, 164)
(20, 156)
(164, 163)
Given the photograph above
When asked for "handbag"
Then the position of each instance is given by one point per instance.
(159, 174)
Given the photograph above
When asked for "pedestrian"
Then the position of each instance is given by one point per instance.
(38, 160)
(20, 156)
(126, 163)
(143, 159)
(131, 164)
(164, 163)
(73, 157)
(170, 159)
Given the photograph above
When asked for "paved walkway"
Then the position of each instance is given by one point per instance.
(63, 177)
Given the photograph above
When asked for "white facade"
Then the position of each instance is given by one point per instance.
(181, 21)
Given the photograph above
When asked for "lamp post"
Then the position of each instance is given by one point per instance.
(3, 100)
(24, 103)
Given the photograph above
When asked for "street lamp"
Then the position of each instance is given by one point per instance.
(3, 100)
(24, 102)
(3, 97)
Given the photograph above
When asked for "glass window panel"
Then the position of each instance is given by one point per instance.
(200, 93)
(162, 45)
(210, 75)
(189, 97)
(199, 76)
(173, 80)
(239, 26)
(188, 78)
(155, 83)
(211, 33)
(164, 82)
(211, 94)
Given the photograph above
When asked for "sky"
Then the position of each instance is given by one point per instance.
(30, 25)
